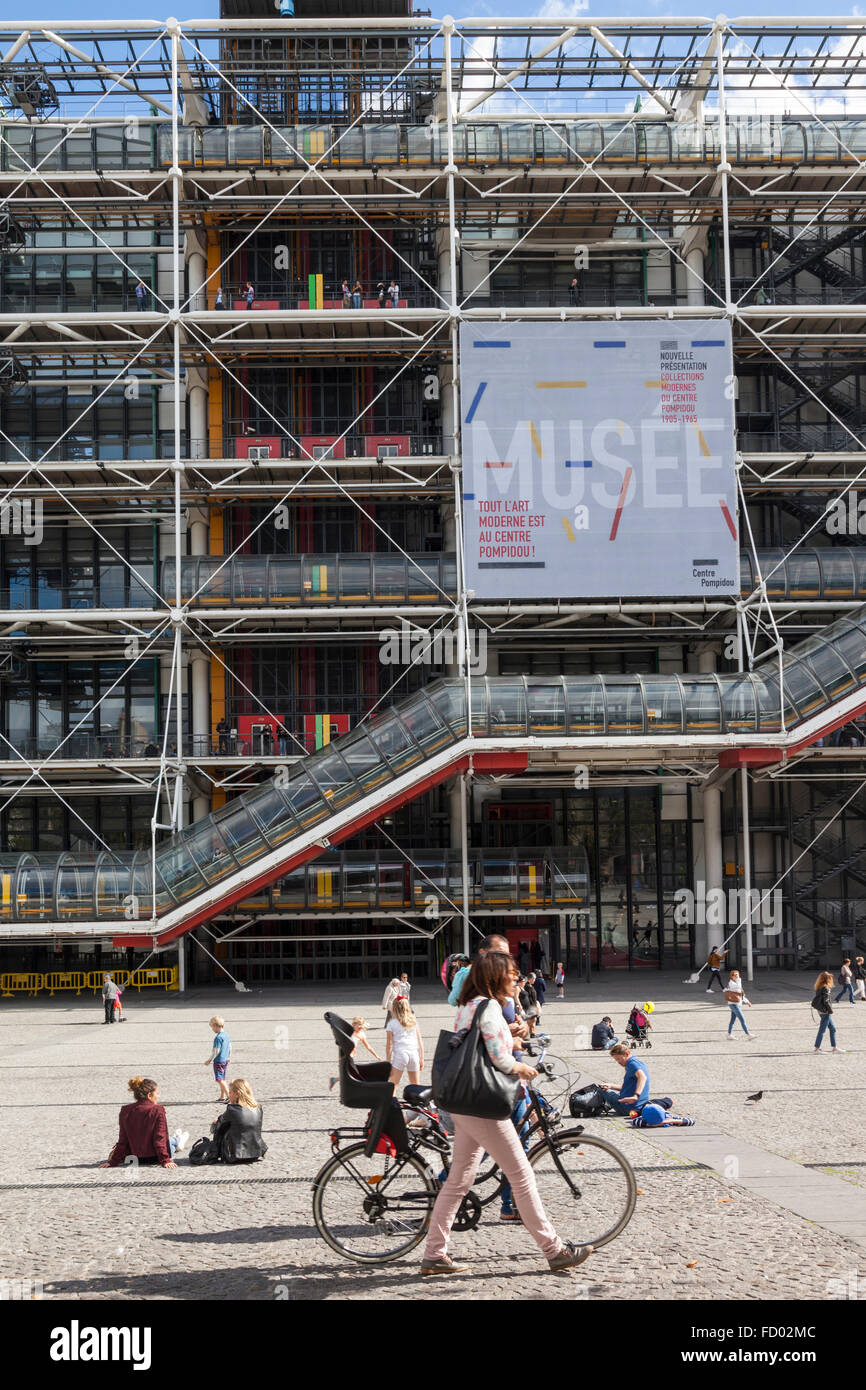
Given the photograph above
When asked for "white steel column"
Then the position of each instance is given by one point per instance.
(713, 860)
(451, 412)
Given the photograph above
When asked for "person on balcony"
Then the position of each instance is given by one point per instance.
(357, 294)
(141, 296)
(347, 295)
(218, 302)
(394, 294)
(250, 294)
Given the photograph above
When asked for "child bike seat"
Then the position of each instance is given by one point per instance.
(366, 1086)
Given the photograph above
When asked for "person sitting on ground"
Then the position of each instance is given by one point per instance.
(655, 1117)
(237, 1132)
(634, 1092)
(144, 1132)
(603, 1036)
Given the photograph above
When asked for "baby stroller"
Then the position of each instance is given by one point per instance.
(638, 1026)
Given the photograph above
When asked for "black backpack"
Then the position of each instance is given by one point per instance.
(586, 1102)
(204, 1151)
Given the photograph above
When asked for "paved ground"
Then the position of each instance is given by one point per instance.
(228, 1234)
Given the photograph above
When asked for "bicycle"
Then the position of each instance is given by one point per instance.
(372, 1200)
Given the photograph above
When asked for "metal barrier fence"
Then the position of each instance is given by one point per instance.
(32, 982)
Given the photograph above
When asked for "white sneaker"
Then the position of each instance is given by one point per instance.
(750, 1036)
(709, 991)
(729, 1036)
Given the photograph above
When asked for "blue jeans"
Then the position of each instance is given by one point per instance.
(518, 1115)
(622, 1107)
(606, 1046)
(736, 1013)
(846, 989)
(172, 1145)
(826, 1022)
(356, 301)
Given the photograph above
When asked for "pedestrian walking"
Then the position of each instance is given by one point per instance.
(489, 984)
(144, 1134)
(859, 969)
(824, 1009)
(540, 988)
(404, 1046)
(405, 986)
(110, 992)
(715, 960)
(141, 296)
(250, 294)
(221, 1054)
(357, 294)
(735, 995)
(392, 989)
(846, 977)
(559, 980)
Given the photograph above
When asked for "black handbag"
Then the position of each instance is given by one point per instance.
(465, 1081)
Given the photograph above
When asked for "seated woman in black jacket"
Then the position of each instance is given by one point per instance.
(237, 1132)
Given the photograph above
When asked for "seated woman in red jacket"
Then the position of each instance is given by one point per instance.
(144, 1131)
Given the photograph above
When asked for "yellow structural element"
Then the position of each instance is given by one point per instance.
(158, 977)
(21, 982)
(65, 979)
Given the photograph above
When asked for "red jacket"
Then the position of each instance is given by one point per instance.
(143, 1133)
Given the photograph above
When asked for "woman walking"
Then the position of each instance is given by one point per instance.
(404, 1046)
(559, 981)
(388, 998)
(489, 978)
(735, 995)
(824, 1009)
(859, 969)
(846, 977)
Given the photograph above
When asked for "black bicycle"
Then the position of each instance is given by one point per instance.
(373, 1198)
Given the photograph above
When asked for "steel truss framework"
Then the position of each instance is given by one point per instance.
(694, 73)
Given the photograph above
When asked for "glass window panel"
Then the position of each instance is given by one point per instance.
(305, 798)
(827, 665)
(364, 761)
(507, 707)
(179, 872)
(837, 568)
(394, 741)
(703, 713)
(624, 703)
(546, 708)
(383, 144)
(586, 706)
(239, 831)
(355, 576)
(273, 814)
(738, 700)
(518, 142)
(850, 642)
(801, 689)
(245, 144)
(664, 706)
(425, 725)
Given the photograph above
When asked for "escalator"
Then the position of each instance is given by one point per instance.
(428, 738)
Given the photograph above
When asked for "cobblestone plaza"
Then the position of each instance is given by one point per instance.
(789, 1224)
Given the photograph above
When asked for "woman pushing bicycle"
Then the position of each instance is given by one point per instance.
(489, 978)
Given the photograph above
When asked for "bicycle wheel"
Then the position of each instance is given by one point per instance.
(373, 1209)
(594, 1202)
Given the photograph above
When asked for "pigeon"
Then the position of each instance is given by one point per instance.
(756, 1096)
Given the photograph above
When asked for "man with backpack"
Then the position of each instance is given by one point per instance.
(634, 1092)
